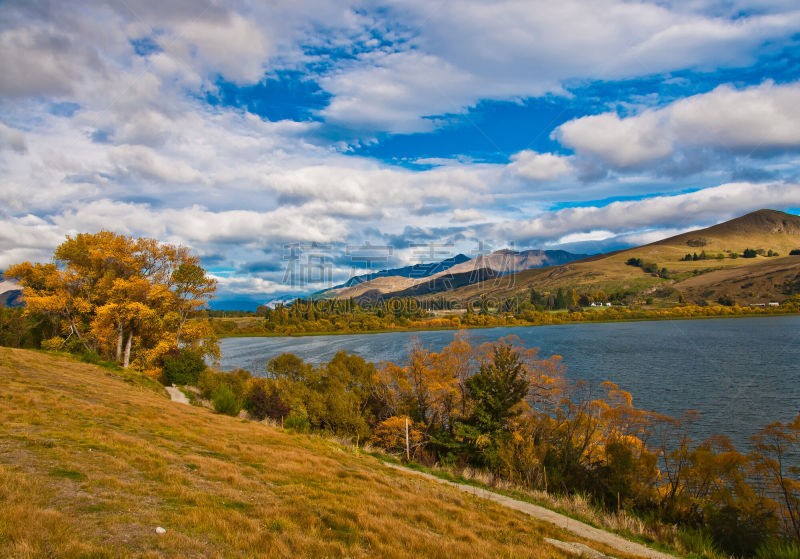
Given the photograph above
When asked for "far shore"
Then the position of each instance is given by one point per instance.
(484, 327)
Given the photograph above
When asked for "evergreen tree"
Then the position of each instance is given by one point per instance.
(561, 299)
(496, 391)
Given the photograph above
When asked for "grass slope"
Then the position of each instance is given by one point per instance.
(92, 461)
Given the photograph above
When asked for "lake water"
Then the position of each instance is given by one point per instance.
(740, 374)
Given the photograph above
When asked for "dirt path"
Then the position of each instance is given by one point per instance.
(576, 527)
(176, 395)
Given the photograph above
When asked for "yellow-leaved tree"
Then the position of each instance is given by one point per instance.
(125, 298)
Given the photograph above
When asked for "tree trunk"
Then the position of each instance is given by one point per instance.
(119, 342)
(126, 362)
(78, 334)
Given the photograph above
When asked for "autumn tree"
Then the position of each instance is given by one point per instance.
(127, 299)
(391, 435)
(776, 448)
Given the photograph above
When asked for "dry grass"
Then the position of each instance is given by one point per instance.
(667, 537)
(91, 463)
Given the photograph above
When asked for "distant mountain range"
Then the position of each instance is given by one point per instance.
(719, 275)
(415, 271)
(459, 271)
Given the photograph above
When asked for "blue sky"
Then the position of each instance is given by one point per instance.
(285, 143)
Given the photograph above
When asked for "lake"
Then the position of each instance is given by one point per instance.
(739, 373)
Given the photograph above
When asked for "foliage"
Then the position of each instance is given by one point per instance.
(297, 421)
(182, 366)
(749, 253)
(497, 390)
(22, 329)
(652, 267)
(225, 401)
(210, 381)
(390, 434)
(778, 550)
(127, 299)
(694, 257)
(257, 399)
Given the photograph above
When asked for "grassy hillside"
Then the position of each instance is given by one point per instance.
(92, 461)
(697, 280)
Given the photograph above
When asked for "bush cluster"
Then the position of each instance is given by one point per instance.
(182, 366)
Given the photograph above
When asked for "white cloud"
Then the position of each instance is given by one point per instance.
(764, 117)
(621, 143)
(646, 237)
(38, 62)
(465, 215)
(394, 91)
(233, 46)
(539, 166)
(197, 225)
(597, 235)
(709, 205)
(12, 139)
(248, 285)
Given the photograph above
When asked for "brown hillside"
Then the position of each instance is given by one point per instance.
(763, 229)
(777, 229)
(92, 461)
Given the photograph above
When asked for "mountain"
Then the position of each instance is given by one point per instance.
(466, 272)
(415, 271)
(509, 261)
(743, 280)
(10, 293)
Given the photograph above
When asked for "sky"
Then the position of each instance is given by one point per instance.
(294, 144)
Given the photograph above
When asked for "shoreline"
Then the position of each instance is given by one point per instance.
(530, 325)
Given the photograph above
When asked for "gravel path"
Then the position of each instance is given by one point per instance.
(576, 527)
(176, 395)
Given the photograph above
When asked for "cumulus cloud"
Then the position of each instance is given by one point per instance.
(709, 205)
(763, 118)
(12, 139)
(234, 47)
(539, 166)
(621, 143)
(394, 91)
(39, 62)
(465, 215)
(249, 285)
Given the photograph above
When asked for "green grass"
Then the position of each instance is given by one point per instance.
(69, 474)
